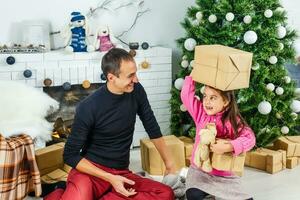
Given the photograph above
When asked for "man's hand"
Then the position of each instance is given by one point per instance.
(117, 183)
(221, 146)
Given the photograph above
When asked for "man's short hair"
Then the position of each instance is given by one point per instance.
(111, 61)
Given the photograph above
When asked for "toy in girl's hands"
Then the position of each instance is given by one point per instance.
(77, 34)
(207, 137)
(105, 39)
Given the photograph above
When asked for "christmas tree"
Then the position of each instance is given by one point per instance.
(269, 105)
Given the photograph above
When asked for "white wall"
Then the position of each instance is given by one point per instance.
(160, 26)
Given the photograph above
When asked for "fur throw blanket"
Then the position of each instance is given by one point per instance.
(23, 110)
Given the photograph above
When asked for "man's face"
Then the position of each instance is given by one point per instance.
(127, 77)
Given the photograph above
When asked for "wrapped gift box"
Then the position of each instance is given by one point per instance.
(229, 162)
(188, 148)
(150, 157)
(265, 159)
(291, 144)
(222, 67)
(291, 162)
(50, 163)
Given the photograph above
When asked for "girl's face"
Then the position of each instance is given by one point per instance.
(213, 102)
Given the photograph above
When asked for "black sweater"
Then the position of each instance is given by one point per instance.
(104, 124)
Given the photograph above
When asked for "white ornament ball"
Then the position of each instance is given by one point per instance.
(192, 63)
(281, 32)
(212, 18)
(189, 44)
(285, 130)
(178, 83)
(229, 16)
(295, 106)
(247, 19)
(195, 22)
(268, 13)
(250, 37)
(270, 87)
(273, 60)
(294, 115)
(255, 67)
(264, 107)
(184, 57)
(199, 15)
(278, 115)
(279, 9)
(297, 92)
(279, 90)
(183, 108)
(202, 89)
(287, 79)
(281, 46)
(184, 64)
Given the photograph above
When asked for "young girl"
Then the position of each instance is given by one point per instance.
(218, 107)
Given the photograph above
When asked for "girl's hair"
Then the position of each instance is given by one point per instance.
(232, 113)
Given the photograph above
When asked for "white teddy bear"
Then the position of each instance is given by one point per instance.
(76, 34)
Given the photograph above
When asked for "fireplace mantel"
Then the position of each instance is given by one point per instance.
(61, 67)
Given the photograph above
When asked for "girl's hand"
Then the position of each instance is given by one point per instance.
(221, 146)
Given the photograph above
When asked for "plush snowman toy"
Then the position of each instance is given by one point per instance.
(77, 34)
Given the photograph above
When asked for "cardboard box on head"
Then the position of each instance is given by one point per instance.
(222, 67)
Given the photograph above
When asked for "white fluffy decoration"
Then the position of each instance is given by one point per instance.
(268, 13)
(279, 90)
(273, 60)
(212, 18)
(23, 110)
(229, 16)
(295, 106)
(264, 107)
(189, 44)
(250, 37)
(184, 57)
(270, 87)
(285, 130)
(199, 15)
(281, 32)
(178, 83)
(247, 19)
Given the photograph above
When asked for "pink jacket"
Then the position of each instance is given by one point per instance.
(243, 143)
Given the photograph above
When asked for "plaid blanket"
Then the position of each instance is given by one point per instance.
(19, 173)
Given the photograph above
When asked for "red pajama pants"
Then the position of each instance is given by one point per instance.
(82, 186)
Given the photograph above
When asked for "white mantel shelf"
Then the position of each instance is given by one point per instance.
(61, 67)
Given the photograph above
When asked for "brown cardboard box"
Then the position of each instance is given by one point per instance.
(150, 157)
(266, 159)
(222, 67)
(291, 162)
(188, 145)
(50, 158)
(228, 162)
(291, 144)
(50, 163)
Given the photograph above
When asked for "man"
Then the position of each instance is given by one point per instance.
(98, 147)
